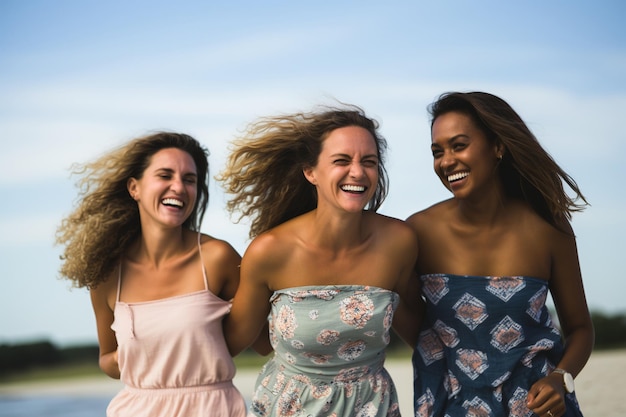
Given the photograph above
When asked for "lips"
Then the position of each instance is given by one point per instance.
(173, 202)
(457, 176)
(353, 188)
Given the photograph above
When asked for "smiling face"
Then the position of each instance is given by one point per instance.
(346, 173)
(464, 159)
(166, 192)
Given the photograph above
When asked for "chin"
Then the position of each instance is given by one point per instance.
(358, 209)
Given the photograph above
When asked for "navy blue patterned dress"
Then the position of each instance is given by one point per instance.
(484, 342)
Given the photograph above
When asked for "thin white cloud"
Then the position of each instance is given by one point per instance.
(48, 148)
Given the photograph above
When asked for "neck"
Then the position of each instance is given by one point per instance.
(337, 233)
(484, 212)
(157, 246)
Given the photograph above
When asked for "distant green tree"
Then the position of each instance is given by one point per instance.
(610, 330)
(610, 334)
(80, 354)
(23, 356)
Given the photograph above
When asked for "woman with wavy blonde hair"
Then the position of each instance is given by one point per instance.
(159, 288)
(329, 270)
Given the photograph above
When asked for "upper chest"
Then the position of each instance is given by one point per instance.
(141, 282)
(365, 266)
(517, 248)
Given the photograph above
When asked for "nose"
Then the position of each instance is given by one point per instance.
(356, 170)
(447, 161)
(177, 184)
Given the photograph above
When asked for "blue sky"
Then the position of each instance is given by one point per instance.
(79, 77)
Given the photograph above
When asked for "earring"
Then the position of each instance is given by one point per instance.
(500, 157)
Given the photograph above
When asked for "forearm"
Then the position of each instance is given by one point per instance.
(262, 344)
(109, 364)
(578, 347)
(406, 323)
(239, 336)
(548, 393)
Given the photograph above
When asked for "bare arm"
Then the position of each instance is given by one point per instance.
(262, 344)
(408, 315)
(567, 290)
(410, 312)
(221, 262)
(250, 309)
(566, 287)
(106, 336)
(413, 310)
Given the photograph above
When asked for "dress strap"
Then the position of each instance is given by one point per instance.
(206, 281)
(119, 282)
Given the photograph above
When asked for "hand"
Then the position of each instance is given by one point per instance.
(546, 397)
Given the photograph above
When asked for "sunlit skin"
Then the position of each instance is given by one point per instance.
(164, 261)
(463, 159)
(346, 174)
(337, 243)
(482, 232)
(166, 193)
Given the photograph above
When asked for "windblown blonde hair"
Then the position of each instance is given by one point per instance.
(264, 171)
(106, 220)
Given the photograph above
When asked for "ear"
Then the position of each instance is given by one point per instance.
(131, 186)
(309, 174)
(499, 150)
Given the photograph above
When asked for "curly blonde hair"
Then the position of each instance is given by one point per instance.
(264, 171)
(106, 219)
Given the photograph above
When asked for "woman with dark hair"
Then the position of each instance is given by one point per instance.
(488, 258)
(328, 269)
(159, 288)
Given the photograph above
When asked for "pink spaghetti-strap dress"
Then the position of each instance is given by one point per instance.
(173, 358)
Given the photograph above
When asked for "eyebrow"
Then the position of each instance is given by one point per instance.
(345, 155)
(170, 171)
(452, 139)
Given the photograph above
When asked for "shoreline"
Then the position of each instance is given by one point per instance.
(595, 386)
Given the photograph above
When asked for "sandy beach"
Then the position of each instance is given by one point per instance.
(599, 387)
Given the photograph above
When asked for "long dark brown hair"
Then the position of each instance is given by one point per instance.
(527, 170)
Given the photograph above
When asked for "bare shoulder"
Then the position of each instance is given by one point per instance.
(272, 247)
(398, 229)
(106, 292)
(214, 244)
(217, 251)
(425, 219)
(528, 221)
(387, 221)
(562, 235)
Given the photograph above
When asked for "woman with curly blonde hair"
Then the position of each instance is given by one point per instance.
(159, 288)
(328, 269)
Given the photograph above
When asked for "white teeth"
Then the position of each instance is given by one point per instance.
(353, 188)
(172, 202)
(457, 176)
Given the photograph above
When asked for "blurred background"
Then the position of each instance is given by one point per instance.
(80, 77)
